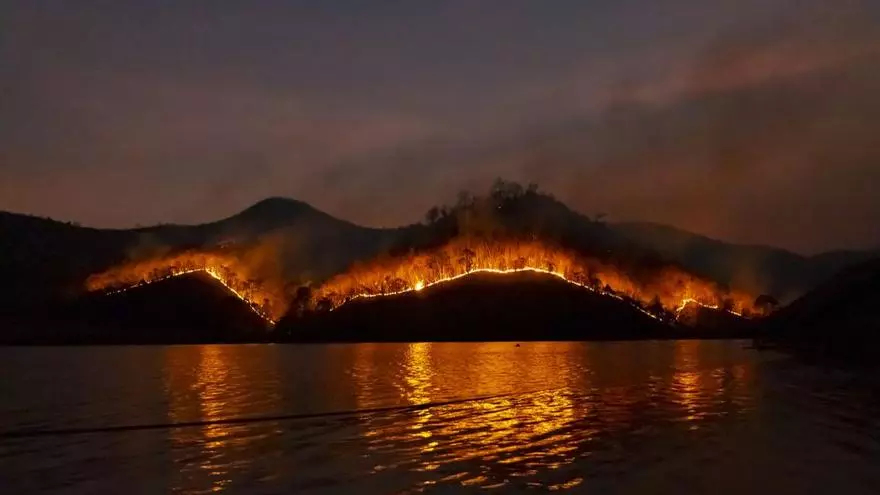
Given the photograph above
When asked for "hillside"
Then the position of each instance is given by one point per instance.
(187, 309)
(757, 269)
(840, 318)
(484, 307)
(848, 302)
(45, 261)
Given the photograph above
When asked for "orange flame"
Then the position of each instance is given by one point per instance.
(670, 287)
(266, 298)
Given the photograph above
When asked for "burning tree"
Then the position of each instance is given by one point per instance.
(665, 287)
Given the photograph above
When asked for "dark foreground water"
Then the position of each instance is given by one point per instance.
(643, 417)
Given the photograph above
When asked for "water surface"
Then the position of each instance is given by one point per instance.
(636, 417)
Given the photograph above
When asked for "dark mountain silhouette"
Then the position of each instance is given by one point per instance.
(839, 319)
(44, 258)
(481, 307)
(182, 310)
(44, 263)
(756, 269)
(266, 216)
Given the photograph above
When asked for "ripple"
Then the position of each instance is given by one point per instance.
(549, 416)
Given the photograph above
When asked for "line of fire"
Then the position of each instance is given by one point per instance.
(660, 291)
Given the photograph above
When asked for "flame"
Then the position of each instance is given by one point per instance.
(689, 301)
(672, 288)
(266, 299)
(645, 288)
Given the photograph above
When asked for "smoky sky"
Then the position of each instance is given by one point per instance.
(747, 120)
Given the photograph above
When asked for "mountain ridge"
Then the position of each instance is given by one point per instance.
(778, 271)
(41, 252)
(837, 320)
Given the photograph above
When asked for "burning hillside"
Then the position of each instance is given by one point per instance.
(508, 230)
(658, 289)
(265, 296)
(483, 306)
(651, 289)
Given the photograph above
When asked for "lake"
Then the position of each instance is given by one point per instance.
(613, 417)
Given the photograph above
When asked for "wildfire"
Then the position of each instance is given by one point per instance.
(688, 301)
(227, 269)
(670, 288)
(650, 290)
(420, 285)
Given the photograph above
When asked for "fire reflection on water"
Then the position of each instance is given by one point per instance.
(512, 435)
(207, 384)
(686, 379)
(521, 429)
(418, 374)
(488, 415)
(703, 392)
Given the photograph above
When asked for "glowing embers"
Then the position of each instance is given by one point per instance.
(243, 273)
(216, 274)
(691, 301)
(251, 304)
(658, 290)
(420, 285)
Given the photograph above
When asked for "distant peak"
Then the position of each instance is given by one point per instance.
(277, 205)
(271, 211)
(276, 202)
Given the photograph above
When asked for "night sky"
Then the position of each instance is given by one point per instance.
(747, 120)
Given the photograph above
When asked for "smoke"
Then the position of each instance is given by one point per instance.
(760, 134)
(148, 245)
(765, 138)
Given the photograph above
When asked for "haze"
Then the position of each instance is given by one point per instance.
(749, 120)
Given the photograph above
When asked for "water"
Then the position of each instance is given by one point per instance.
(640, 417)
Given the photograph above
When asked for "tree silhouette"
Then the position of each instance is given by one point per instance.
(432, 216)
(766, 303)
(467, 259)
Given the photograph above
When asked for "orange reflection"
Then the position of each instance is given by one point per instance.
(506, 435)
(418, 373)
(706, 383)
(686, 378)
(417, 391)
(210, 383)
(491, 415)
(537, 409)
